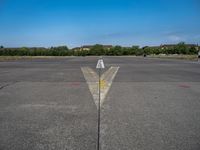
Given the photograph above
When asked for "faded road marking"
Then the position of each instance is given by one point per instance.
(105, 82)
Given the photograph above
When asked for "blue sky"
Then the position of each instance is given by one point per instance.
(79, 22)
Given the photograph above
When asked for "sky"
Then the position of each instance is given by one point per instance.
(46, 23)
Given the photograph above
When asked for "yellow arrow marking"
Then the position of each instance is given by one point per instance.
(103, 84)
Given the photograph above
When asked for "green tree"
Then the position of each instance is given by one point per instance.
(193, 50)
(133, 50)
(181, 48)
(118, 50)
(97, 50)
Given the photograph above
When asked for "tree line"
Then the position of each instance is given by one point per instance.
(97, 50)
(25, 51)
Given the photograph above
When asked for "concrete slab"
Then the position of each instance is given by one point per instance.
(152, 104)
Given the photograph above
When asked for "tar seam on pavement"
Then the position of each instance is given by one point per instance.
(6, 85)
(99, 89)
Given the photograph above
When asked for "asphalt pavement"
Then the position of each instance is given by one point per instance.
(152, 104)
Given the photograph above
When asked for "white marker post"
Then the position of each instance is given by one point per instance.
(100, 65)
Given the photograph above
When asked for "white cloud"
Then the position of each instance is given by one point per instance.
(175, 38)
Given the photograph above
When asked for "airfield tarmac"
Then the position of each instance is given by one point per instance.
(152, 104)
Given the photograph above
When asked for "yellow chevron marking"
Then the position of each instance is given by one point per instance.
(103, 84)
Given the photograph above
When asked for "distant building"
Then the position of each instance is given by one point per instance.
(89, 47)
(76, 48)
(86, 47)
(155, 47)
(107, 46)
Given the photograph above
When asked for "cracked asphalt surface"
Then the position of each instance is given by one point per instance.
(152, 104)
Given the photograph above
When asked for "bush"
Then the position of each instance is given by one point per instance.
(98, 50)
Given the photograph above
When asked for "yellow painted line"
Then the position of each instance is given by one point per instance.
(103, 84)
